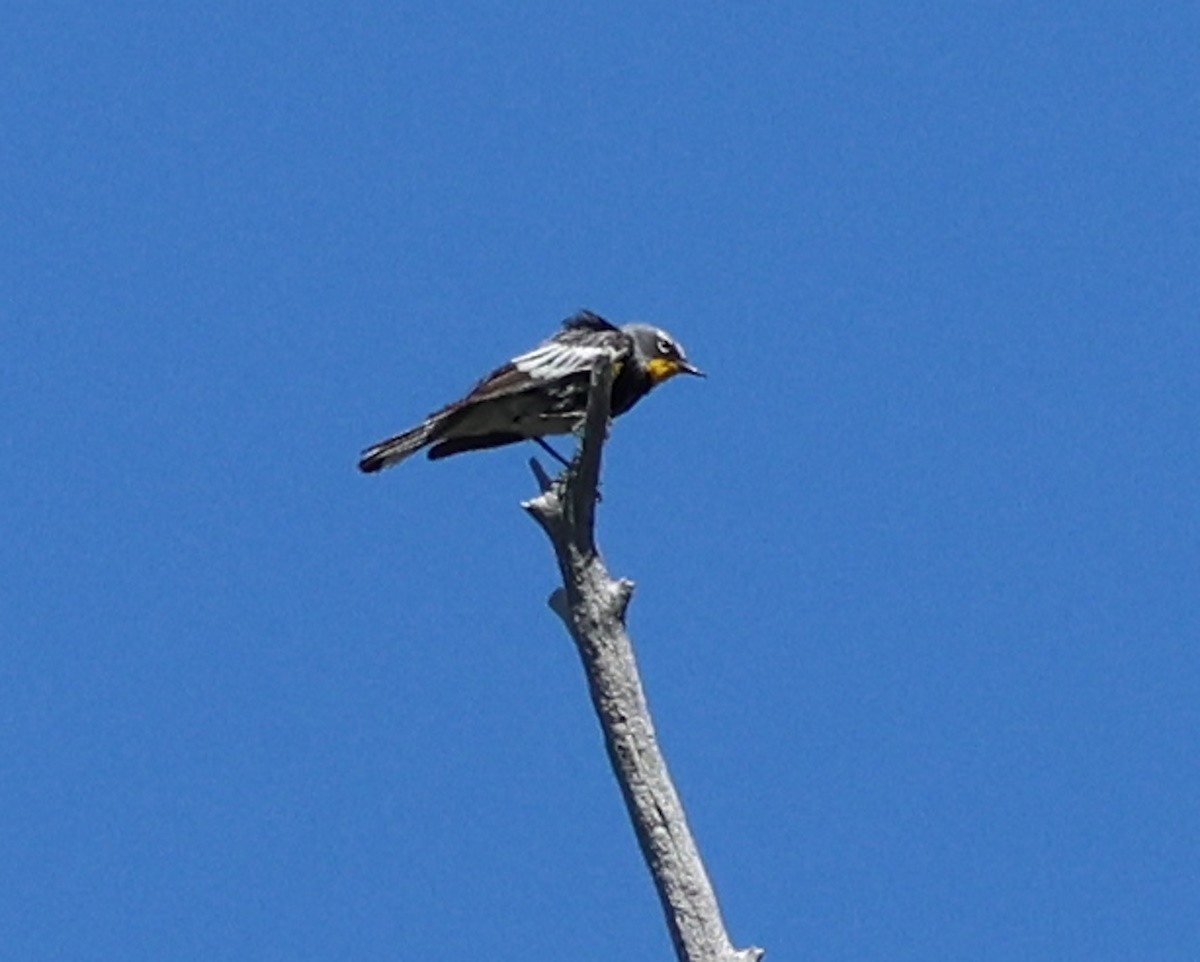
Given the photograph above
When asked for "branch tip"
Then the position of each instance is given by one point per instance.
(558, 604)
(543, 479)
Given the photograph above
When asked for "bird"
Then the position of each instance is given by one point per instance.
(543, 391)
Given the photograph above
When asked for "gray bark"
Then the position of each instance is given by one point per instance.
(592, 604)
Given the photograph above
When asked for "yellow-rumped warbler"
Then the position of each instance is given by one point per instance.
(543, 391)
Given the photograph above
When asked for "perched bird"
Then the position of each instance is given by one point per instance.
(543, 391)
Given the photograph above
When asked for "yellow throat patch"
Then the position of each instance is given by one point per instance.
(660, 368)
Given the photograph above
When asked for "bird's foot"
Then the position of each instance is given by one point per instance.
(550, 451)
(544, 445)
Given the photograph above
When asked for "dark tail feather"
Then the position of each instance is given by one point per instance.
(394, 450)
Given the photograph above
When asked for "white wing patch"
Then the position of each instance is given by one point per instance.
(552, 360)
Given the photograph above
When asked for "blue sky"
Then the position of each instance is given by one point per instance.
(918, 588)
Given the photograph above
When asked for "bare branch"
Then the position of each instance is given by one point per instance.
(593, 605)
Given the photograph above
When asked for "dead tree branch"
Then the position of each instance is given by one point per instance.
(593, 604)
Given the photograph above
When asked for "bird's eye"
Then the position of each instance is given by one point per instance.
(665, 347)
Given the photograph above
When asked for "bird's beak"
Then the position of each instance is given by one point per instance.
(686, 367)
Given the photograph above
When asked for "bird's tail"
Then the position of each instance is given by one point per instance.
(396, 449)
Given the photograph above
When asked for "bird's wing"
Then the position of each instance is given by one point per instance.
(573, 351)
(562, 358)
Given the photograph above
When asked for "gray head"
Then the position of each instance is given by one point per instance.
(659, 354)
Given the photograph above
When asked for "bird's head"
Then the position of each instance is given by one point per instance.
(659, 354)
